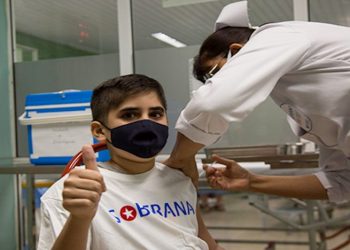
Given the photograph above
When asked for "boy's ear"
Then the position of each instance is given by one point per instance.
(97, 131)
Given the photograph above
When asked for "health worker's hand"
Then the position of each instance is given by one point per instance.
(187, 166)
(233, 177)
(83, 187)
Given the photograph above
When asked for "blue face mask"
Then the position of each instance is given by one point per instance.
(144, 138)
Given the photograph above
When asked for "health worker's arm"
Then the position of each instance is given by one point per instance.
(301, 187)
(235, 178)
(204, 234)
(334, 174)
(244, 82)
(183, 157)
(81, 195)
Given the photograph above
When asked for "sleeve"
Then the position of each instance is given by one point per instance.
(244, 82)
(335, 174)
(53, 218)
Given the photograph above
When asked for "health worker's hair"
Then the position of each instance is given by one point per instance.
(218, 43)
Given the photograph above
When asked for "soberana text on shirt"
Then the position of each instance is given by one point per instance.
(129, 213)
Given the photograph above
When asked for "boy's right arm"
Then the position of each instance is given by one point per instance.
(81, 195)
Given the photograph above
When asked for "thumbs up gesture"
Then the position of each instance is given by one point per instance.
(83, 188)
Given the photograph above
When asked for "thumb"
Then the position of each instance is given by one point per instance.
(229, 163)
(89, 157)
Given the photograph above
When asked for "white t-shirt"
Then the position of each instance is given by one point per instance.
(305, 68)
(152, 210)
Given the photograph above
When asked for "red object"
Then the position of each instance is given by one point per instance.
(77, 159)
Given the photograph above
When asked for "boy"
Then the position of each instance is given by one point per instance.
(129, 202)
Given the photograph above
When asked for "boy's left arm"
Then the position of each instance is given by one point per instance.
(204, 234)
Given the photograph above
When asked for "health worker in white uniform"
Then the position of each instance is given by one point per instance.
(304, 67)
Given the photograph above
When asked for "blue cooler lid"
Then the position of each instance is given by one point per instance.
(60, 97)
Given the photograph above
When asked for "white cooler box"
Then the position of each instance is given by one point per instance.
(58, 126)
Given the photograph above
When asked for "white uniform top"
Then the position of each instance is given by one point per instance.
(152, 210)
(305, 68)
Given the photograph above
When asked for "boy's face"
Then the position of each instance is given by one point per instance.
(140, 107)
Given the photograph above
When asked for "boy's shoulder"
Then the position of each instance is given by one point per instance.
(55, 190)
(169, 170)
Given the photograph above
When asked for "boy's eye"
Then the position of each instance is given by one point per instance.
(156, 114)
(129, 115)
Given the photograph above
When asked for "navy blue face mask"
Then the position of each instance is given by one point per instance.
(144, 138)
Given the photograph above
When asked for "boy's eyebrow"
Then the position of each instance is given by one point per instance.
(158, 108)
(129, 109)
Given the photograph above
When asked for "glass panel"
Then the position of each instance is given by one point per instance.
(62, 45)
(335, 11)
(190, 22)
(58, 29)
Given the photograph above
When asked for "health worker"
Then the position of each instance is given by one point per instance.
(304, 67)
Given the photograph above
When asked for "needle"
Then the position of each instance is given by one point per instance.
(211, 166)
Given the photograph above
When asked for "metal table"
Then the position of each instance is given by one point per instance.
(21, 166)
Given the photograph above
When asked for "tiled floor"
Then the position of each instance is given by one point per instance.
(247, 224)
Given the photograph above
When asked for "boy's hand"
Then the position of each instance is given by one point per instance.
(83, 188)
(233, 177)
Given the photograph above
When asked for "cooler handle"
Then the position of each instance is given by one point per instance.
(82, 116)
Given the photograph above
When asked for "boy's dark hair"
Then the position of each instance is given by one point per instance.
(111, 93)
(217, 44)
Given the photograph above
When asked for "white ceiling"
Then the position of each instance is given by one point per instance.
(92, 25)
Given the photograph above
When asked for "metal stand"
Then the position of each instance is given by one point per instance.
(314, 225)
(26, 235)
(30, 219)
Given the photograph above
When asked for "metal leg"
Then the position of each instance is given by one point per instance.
(323, 216)
(310, 220)
(30, 212)
(20, 219)
(323, 243)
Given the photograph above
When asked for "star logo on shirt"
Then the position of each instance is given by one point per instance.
(128, 213)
